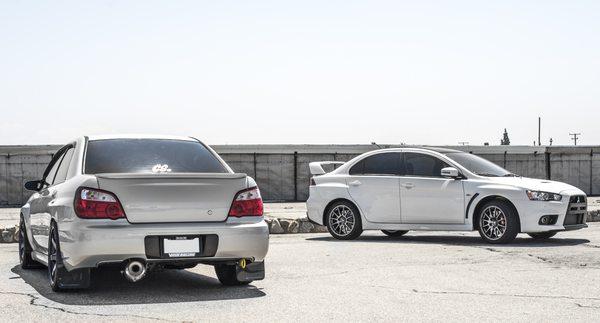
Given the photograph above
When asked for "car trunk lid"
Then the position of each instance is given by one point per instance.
(176, 197)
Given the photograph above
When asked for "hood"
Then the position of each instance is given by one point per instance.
(536, 184)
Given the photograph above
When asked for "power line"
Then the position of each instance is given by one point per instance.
(575, 137)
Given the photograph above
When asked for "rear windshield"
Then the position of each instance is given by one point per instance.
(150, 156)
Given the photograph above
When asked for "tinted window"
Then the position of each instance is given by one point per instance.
(61, 174)
(423, 165)
(478, 165)
(52, 168)
(150, 156)
(380, 164)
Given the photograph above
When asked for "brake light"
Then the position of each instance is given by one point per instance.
(93, 203)
(247, 203)
(312, 181)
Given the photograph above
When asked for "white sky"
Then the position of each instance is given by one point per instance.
(419, 72)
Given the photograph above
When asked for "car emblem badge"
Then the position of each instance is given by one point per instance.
(209, 212)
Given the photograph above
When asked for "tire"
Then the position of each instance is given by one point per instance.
(343, 221)
(54, 259)
(542, 235)
(394, 233)
(498, 222)
(25, 249)
(60, 278)
(227, 275)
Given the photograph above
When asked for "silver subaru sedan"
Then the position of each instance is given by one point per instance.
(142, 202)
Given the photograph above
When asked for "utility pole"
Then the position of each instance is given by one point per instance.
(539, 131)
(575, 137)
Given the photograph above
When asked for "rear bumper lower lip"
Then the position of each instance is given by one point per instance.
(90, 244)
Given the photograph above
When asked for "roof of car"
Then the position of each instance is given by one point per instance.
(139, 136)
(441, 150)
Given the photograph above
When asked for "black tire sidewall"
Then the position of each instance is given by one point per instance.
(513, 226)
(356, 230)
(55, 285)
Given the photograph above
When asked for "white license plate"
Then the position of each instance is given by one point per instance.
(181, 248)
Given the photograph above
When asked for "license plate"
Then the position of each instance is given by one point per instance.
(181, 247)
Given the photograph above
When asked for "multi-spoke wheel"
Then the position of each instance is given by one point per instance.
(54, 259)
(343, 221)
(498, 222)
(25, 249)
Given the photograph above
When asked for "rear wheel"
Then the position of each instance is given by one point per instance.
(61, 279)
(498, 222)
(542, 235)
(394, 233)
(343, 221)
(25, 249)
(227, 275)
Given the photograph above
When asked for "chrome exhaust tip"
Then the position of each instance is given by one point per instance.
(134, 270)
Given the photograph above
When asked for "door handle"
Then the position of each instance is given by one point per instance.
(408, 185)
(355, 183)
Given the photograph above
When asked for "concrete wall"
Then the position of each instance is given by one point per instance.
(282, 172)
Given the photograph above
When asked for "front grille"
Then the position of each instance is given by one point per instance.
(577, 210)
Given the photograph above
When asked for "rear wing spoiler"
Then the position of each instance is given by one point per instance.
(316, 168)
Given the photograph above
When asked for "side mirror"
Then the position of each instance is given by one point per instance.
(35, 186)
(450, 172)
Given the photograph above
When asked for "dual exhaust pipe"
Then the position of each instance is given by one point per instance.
(134, 270)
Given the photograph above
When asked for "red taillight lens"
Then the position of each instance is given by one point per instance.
(247, 203)
(93, 203)
(312, 181)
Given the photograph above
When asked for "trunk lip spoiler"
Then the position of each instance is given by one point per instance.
(170, 175)
(316, 168)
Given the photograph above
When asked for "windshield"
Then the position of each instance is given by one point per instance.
(150, 156)
(478, 165)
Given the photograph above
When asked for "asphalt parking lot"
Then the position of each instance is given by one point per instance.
(311, 277)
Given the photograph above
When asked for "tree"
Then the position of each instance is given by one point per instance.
(505, 141)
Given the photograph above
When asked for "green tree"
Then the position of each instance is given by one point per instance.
(505, 141)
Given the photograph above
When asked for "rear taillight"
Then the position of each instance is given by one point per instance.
(247, 203)
(312, 181)
(91, 203)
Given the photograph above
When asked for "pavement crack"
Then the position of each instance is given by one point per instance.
(34, 298)
(505, 295)
(587, 306)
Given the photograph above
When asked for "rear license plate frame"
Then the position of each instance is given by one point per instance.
(172, 253)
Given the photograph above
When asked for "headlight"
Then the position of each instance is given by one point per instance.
(543, 196)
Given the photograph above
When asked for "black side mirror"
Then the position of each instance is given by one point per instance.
(34, 185)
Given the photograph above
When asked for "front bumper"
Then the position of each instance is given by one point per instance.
(89, 243)
(569, 216)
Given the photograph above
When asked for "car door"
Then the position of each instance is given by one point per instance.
(373, 184)
(426, 196)
(50, 194)
(39, 201)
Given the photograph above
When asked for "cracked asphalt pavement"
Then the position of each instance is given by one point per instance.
(420, 277)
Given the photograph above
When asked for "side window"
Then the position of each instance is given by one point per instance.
(424, 165)
(51, 172)
(380, 164)
(61, 173)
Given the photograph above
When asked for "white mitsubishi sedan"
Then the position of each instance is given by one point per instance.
(397, 190)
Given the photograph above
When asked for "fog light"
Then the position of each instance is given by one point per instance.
(548, 219)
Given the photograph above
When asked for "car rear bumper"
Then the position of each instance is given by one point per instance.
(90, 243)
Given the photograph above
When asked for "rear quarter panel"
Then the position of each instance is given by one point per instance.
(328, 188)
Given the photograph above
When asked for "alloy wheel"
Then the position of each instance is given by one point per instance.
(493, 222)
(52, 258)
(341, 220)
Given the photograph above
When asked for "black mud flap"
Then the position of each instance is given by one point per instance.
(253, 271)
(74, 279)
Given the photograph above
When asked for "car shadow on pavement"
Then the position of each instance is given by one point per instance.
(108, 287)
(460, 240)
